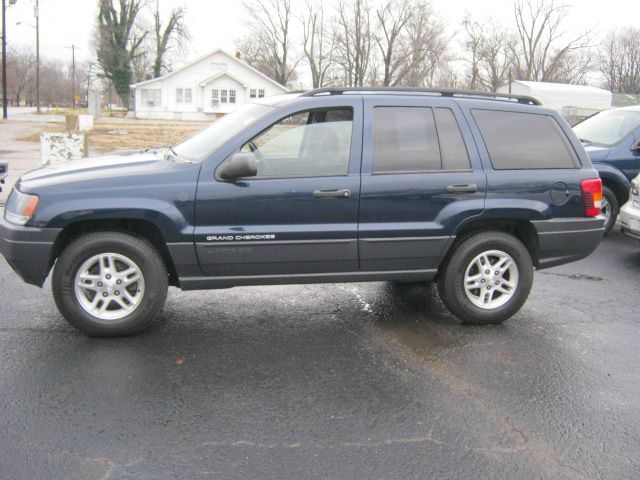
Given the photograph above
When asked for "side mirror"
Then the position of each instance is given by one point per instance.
(238, 165)
(635, 146)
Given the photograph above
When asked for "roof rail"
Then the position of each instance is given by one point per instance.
(424, 91)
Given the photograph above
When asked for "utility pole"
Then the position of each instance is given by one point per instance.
(36, 27)
(37, 14)
(4, 61)
(89, 80)
(4, 56)
(73, 76)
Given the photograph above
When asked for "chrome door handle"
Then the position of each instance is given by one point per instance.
(468, 188)
(334, 193)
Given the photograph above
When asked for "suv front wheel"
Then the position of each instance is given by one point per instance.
(609, 208)
(110, 284)
(486, 278)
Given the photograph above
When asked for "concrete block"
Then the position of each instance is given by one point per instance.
(60, 147)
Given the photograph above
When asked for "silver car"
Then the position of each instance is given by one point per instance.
(630, 211)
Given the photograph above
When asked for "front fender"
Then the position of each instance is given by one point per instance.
(172, 221)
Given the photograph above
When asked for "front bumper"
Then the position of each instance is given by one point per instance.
(27, 249)
(630, 218)
(564, 240)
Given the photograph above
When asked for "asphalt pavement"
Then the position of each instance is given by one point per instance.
(362, 381)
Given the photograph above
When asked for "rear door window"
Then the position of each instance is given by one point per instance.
(517, 140)
(417, 139)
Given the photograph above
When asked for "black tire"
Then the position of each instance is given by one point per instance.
(136, 249)
(452, 274)
(614, 208)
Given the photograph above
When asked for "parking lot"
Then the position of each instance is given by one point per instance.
(371, 381)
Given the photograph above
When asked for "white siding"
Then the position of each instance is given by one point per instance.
(236, 75)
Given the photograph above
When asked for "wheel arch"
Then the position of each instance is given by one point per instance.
(137, 227)
(523, 230)
(614, 179)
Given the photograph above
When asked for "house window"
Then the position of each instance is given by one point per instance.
(152, 97)
(215, 100)
(253, 93)
(261, 93)
(183, 95)
(223, 96)
(232, 96)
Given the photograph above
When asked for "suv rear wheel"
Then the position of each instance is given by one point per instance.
(110, 284)
(486, 278)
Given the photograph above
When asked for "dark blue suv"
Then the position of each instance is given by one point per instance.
(612, 141)
(334, 185)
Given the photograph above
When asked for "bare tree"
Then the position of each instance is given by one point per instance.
(354, 39)
(21, 64)
(620, 63)
(118, 43)
(426, 53)
(473, 44)
(544, 51)
(393, 17)
(55, 75)
(491, 54)
(168, 35)
(142, 63)
(316, 42)
(269, 43)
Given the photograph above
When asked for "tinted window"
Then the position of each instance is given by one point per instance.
(312, 143)
(518, 140)
(454, 152)
(417, 139)
(404, 140)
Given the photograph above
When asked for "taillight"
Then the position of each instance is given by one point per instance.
(592, 196)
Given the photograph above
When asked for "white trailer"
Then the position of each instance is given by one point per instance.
(571, 101)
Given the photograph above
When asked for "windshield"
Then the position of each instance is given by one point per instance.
(607, 128)
(203, 143)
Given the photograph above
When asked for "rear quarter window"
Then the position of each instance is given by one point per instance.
(521, 141)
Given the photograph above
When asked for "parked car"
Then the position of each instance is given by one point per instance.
(334, 185)
(612, 141)
(630, 211)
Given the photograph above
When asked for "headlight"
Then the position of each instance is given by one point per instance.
(634, 188)
(20, 207)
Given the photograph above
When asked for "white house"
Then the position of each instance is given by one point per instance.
(214, 84)
(568, 100)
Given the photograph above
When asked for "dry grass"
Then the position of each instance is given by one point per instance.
(128, 134)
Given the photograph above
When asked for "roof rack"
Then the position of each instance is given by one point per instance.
(423, 91)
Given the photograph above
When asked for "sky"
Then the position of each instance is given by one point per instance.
(218, 23)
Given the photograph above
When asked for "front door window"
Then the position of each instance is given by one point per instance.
(306, 144)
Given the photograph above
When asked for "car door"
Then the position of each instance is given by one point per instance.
(298, 215)
(421, 178)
